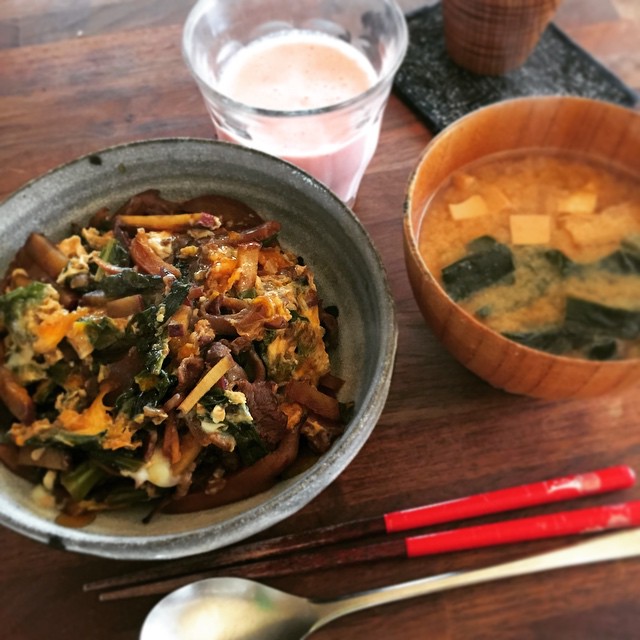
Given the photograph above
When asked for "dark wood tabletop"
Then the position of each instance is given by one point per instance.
(80, 75)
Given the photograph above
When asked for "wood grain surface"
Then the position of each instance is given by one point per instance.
(79, 75)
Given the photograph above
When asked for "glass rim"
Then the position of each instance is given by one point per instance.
(198, 12)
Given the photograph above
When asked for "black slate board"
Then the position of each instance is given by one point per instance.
(440, 91)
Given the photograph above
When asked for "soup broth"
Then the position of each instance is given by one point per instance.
(544, 248)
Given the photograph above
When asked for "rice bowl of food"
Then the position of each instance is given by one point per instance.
(175, 368)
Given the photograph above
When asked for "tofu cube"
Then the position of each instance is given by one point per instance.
(578, 202)
(472, 207)
(530, 229)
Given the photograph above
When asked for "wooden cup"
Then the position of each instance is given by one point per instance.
(491, 37)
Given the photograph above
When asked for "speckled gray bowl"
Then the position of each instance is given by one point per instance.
(315, 224)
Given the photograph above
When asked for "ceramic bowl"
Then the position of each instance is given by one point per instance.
(579, 125)
(315, 224)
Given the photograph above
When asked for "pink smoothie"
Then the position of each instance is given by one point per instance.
(296, 71)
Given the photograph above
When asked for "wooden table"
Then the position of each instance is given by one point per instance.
(80, 75)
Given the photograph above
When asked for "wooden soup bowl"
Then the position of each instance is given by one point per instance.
(597, 129)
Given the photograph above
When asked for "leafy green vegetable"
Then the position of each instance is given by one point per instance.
(115, 253)
(14, 303)
(215, 396)
(144, 329)
(133, 401)
(279, 362)
(102, 332)
(128, 282)
(249, 293)
(158, 351)
(141, 329)
(59, 372)
(81, 480)
(119, 497)
(122, 460)
(346, 411)
(175, 297)
(64, 437)
(296, 317)
(249, 444)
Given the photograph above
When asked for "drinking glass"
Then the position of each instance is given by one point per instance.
(334, 142)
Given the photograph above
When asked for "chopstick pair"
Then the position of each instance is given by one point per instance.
(264, 558)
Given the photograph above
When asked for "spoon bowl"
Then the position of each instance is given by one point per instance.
(239, 609)
(229, 609)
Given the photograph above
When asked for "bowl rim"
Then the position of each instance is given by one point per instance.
(292, 495)
(412, 249)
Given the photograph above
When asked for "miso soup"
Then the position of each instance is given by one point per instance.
(544, 248)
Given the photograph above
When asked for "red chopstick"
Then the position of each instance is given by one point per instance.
(592, 520)
(564, 488)
(527, 495)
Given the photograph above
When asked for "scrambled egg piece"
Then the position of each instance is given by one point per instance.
(95, 420)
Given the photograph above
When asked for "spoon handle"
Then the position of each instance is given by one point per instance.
(614, 546)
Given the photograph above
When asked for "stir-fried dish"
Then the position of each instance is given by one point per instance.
(171, 352)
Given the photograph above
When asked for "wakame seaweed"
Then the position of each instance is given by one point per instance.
(589, 327)
(560, 261)
(488, 263)
(566, 340)
(605, 350)
(622, 261)
(602, 320)
(557, 341)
